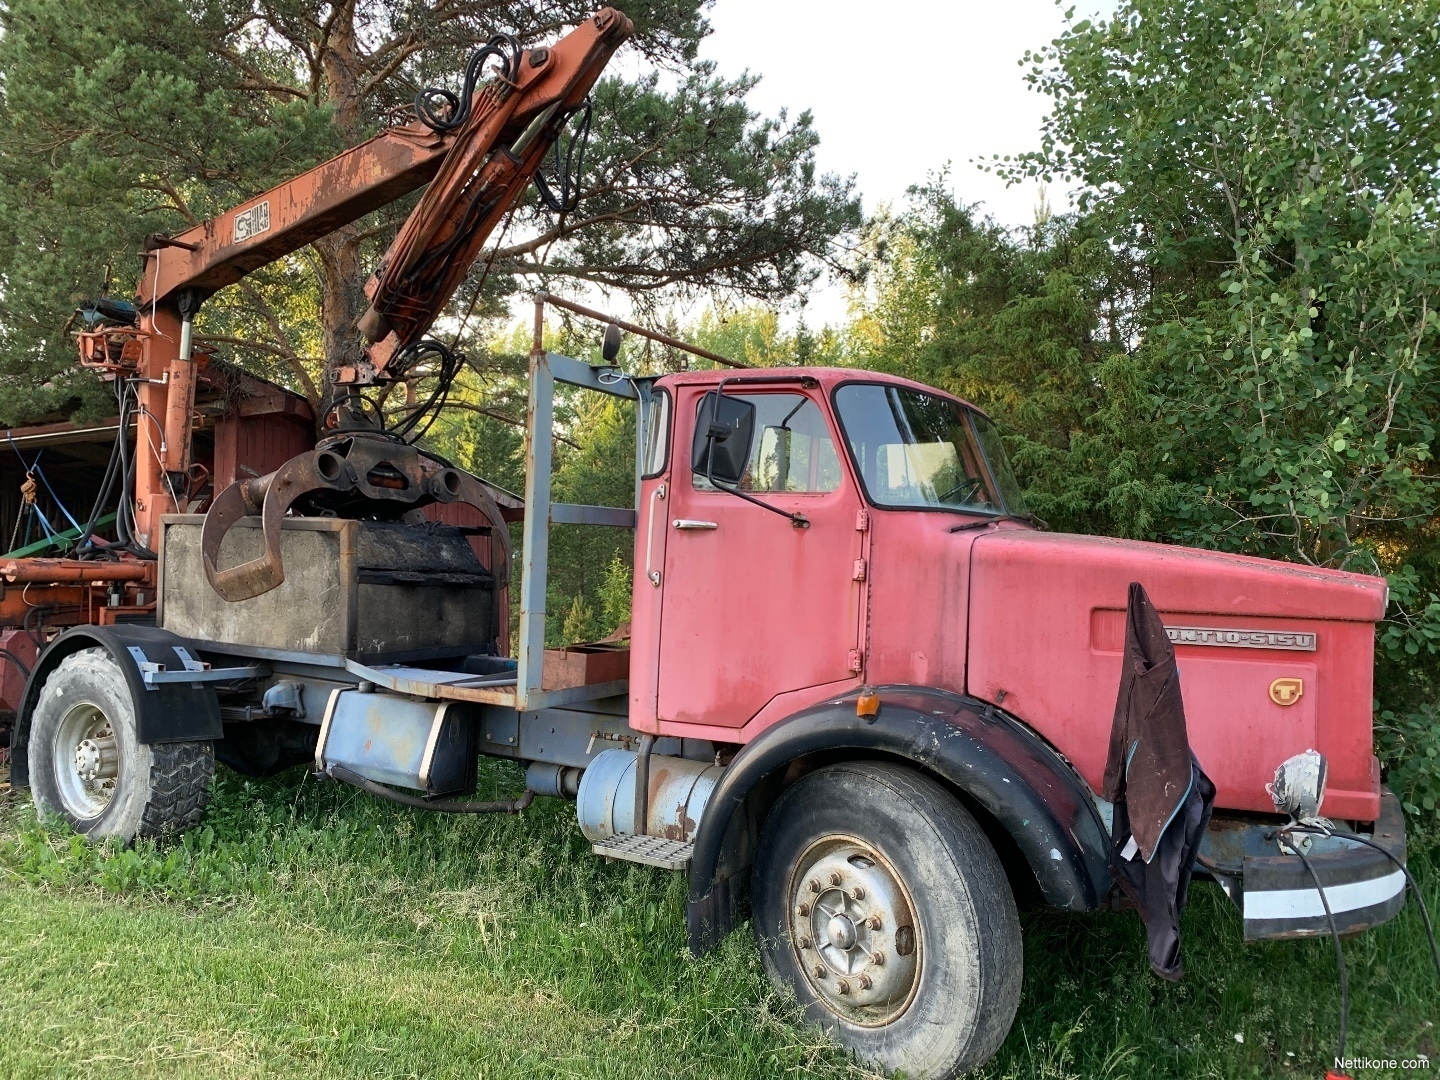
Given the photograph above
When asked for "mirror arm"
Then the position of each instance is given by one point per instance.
(800, 521)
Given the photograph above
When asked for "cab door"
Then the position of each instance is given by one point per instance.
(751, 605)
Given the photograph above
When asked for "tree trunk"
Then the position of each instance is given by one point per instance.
(342, 302)
(342, 277)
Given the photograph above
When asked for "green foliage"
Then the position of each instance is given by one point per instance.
(1271, 167)
(579, 624)
(305, 932)
(753, 335)
(1035, 328)
(1233, 344)
(1410, 743)
(615, 594)
(112, 125)
(1268, 171)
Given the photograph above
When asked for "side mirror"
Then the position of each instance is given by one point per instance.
(610, 343)
(724, 432)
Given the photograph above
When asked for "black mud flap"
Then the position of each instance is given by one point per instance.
(164, 712)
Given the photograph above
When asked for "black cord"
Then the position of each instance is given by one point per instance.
(83, 545)
(458, 109)
(37, 613)
(1409, 880)
(1339, 952)
(450, 364)
(25, 671)
(569, 167)
(408, 427)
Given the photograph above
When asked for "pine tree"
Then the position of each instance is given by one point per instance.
(151, 115)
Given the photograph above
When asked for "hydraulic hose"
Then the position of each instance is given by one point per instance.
(444, 806)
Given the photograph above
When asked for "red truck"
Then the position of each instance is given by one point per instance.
(865, 698)
(862, 690)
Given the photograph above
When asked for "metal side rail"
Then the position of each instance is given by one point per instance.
(496, 689)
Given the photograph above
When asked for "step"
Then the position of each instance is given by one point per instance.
(649, 850)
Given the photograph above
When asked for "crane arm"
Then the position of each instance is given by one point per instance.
(476, 169)
(477, 160)
(511, 125)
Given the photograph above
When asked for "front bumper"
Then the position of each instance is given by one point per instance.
(1277, 896)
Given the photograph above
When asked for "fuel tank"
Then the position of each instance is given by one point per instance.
(1274, 658)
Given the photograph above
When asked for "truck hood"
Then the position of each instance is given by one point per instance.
(1274, 658)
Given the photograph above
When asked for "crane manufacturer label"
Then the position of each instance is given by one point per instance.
(252, 222)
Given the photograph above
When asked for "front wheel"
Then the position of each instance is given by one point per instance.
(880, 902)
(88, 767)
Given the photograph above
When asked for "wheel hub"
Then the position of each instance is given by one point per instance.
(853, 928)
(98, 757)
(841, 932)
(86, 759)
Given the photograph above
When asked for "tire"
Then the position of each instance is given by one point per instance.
(880, 903)
(88, 767)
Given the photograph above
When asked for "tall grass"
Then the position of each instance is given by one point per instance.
(309, 930)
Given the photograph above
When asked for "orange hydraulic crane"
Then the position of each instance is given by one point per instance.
(478, 150)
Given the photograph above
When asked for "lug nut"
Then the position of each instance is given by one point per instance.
(844, 987)
(865, 982)
(814, 884)
(803, 942)
(835, 877)
(804, 910)
(877, 958)
(819, 971)
(873, 922)
(859, 893)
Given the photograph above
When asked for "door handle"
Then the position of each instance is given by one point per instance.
(691, 523)
(652, 574)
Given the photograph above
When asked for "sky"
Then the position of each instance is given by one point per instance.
(898, 89)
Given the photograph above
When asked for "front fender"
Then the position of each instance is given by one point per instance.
(173, 712)
(1003, 767)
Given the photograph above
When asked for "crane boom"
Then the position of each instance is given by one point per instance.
(477, 163)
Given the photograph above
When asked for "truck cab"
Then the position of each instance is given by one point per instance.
(866, 698)
(907, 558)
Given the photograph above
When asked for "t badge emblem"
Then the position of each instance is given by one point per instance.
(1286, 691)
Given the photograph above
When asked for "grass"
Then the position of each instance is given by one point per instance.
(308, 930)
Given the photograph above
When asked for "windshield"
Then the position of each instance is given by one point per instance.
(919, 450)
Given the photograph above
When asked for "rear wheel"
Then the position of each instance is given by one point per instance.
(88, 767)
(880, 902)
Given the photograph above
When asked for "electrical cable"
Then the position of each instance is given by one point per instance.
(450, 364)
(8, 655)
(1409, 879)
(38, 613)
(1339, 950)
(83, 545)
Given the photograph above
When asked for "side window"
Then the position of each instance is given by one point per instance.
(793, 451)
(657, 447)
